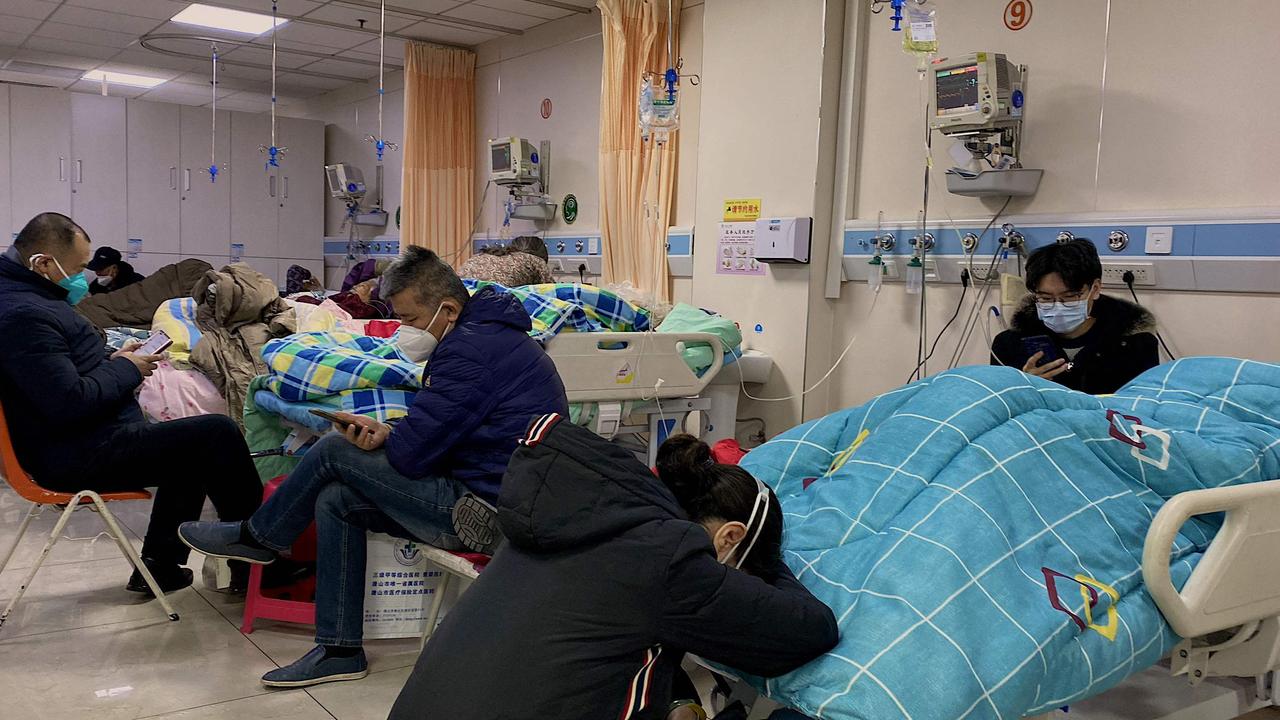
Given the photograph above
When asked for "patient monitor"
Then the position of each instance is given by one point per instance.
(346, 182)
(976, 92)
(513, 161)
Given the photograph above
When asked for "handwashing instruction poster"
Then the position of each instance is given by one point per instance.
(736, 251)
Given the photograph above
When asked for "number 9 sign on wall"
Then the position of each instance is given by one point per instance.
(1017, 14)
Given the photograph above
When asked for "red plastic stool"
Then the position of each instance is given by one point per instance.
(257, 605)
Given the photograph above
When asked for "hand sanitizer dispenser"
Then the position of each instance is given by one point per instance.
(784, 240)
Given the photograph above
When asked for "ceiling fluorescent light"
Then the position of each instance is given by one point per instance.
(218, 18)
(119, 78)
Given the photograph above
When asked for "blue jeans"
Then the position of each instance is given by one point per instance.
(347, 491)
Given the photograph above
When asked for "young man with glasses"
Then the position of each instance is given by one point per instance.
(1069, 332)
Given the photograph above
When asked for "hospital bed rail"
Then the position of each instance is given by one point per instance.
(1235, 587)
(619, 366)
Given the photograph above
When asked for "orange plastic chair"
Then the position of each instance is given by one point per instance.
(41, 498)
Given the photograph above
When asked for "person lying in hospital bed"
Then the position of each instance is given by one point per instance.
(523, 262)
(610, 575)
(981, 534)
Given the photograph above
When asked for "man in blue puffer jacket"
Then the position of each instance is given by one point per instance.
(486, 380)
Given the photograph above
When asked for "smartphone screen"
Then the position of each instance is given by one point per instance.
(331, 418)
(1041, 343)
(154, 345)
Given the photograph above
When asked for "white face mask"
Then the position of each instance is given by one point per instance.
(103, 280)
(417, 345)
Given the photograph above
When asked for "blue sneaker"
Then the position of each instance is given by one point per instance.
(314, 668)
(222, 540)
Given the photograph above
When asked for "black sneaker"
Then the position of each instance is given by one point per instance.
(476, 523)
(171, 577)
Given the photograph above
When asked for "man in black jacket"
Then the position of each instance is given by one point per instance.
(111, 271)
(603, 586)
(71, 409)
(1069, 332)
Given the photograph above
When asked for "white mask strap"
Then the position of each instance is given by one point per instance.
(759, 506)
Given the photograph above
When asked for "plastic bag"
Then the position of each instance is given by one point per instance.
(659, 114)
(634, 295)
(920, 36)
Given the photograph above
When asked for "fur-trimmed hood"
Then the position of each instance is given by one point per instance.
(1114, 316)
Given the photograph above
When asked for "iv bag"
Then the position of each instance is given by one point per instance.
(658, 114)
(920, 36)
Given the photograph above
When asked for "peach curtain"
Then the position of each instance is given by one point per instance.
(637, 180)
(439, 149)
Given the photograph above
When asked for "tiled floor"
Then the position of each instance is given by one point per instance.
(80, 646)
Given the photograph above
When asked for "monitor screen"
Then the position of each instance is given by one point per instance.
(335, 185)
(957, 90)
(501, 161)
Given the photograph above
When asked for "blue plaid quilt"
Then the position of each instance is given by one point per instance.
(312, 366)
(569, 307)
(979, 534)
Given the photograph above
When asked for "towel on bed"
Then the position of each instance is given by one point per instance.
(979, 534)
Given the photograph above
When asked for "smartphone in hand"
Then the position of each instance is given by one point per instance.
(331, 417)
(1041, 343)
(156, 344)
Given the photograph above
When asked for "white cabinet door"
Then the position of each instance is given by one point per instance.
(206, 206)
(5, 184)
(155, 173)
(255, 189)
(39, 152)
(98, 172)
(302, 190)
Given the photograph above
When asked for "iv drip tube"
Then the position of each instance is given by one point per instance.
(273, 77)
(382, 42)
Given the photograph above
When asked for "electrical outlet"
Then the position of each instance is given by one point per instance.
(1012, 289)
(931, 270)
(1143, 273)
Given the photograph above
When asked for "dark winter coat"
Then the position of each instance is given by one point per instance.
(485, 381)
(62, 394)
(1119, 347)
(603, 586)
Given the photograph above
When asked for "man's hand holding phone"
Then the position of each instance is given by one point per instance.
(361, 431)
(1049, 370)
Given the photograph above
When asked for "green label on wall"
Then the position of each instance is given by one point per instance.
(570, 208)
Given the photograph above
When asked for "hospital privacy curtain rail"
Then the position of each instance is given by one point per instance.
(634, 176)
(439, 144)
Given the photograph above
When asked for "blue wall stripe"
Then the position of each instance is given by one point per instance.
(680, 243)
(376, 247)
(1189, 239)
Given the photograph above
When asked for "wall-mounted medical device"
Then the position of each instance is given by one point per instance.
(978, 99)
(784, 240)
(346, 182)
(514, 161)
(976, 92)
(525, 171)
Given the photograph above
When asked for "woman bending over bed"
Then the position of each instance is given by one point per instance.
(609, 576)
(523, 262)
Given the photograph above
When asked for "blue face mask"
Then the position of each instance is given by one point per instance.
(77, 286)
(1063, 317)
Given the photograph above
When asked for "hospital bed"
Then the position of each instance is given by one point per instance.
(641, 384)
(1228, 613)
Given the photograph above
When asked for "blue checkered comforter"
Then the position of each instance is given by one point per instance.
(979, 534)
